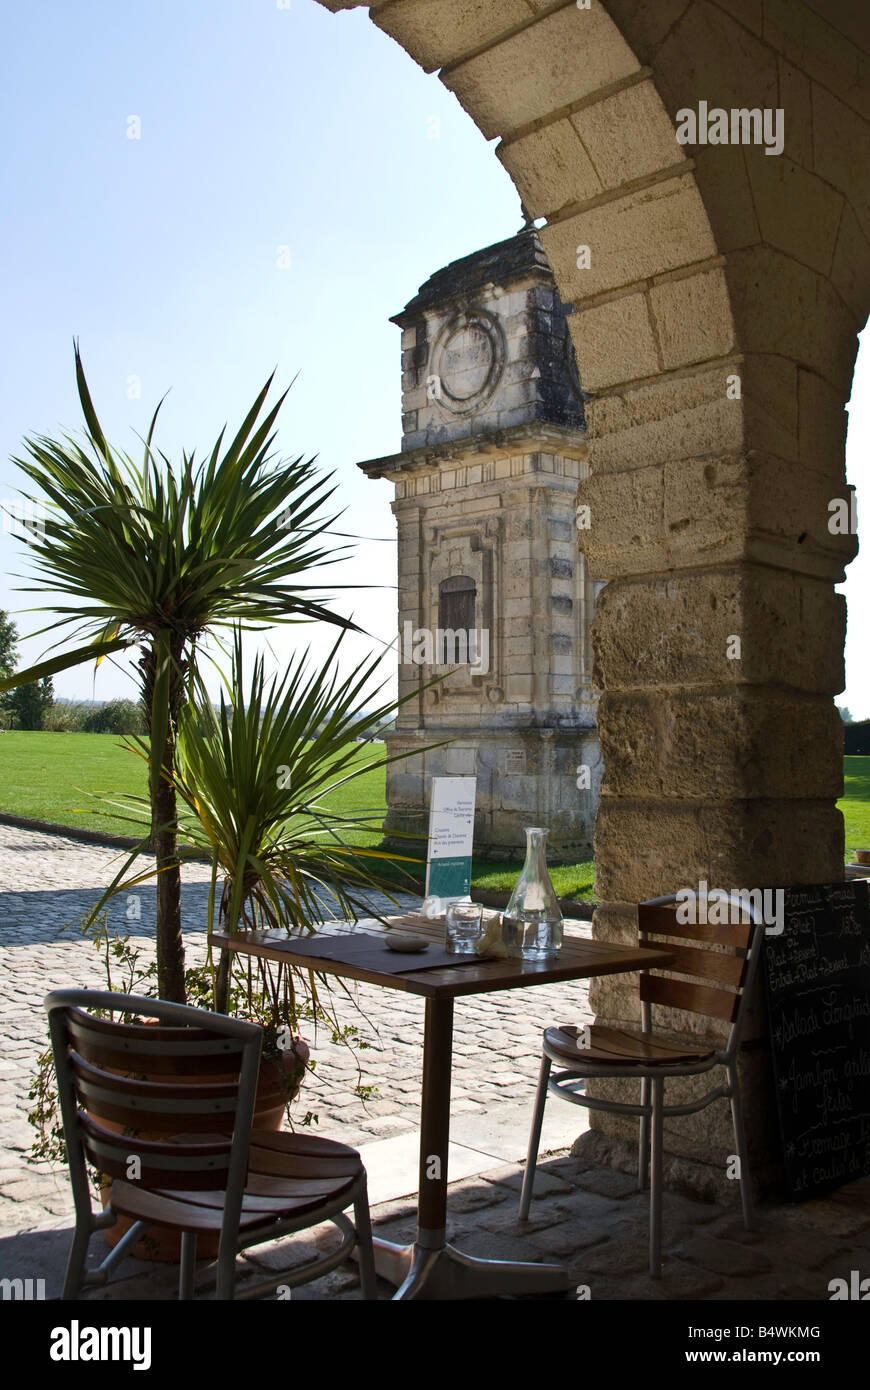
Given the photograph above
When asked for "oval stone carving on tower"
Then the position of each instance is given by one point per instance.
(467, 360)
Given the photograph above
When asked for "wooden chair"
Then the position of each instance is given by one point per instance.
(183, 1154)
(605, 1052)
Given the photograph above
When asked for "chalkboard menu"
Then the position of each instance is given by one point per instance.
(818, 989)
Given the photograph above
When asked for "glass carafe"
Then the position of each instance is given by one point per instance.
(532, 921)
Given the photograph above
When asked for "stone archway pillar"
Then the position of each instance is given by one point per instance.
(692, 267)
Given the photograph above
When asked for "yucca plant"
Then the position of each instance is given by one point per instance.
(255, 779)
(157, 555)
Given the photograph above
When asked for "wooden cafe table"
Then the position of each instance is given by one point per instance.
(431, 1268)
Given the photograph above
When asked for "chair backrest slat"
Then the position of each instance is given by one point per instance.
(170, 1164)
(692, 998)
(159, 1106)
(168, 1104)
(719, 967)
(661, 920)
(718, 977)
(150, 1048)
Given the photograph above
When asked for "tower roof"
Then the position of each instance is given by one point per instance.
(499, 264)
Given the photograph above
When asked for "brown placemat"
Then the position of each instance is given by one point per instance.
(371, 952)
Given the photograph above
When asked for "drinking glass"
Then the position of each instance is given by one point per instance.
(464, 927)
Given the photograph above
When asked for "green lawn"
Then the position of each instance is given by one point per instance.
(48, 776)
(855, 804)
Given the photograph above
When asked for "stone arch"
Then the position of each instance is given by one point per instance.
(715, 323)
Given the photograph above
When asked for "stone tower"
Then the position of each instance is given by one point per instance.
(490, 580)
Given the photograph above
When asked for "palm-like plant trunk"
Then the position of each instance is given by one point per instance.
(164, 828)
(222, 984)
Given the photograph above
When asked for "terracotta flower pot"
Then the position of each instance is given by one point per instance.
(279, 1083)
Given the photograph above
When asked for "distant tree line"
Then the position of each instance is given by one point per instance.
(33, 707)
(856, 743)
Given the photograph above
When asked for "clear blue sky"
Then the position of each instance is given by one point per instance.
(261, 128)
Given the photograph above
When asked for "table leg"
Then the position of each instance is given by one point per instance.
(430, 1268)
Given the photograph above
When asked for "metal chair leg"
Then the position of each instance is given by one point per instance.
(534, 1139)
(362, 1221)
(226, 1270)
(75, 1265)
(643, 1140)
(187, 1266)
(655, 1191)
(742, 1151)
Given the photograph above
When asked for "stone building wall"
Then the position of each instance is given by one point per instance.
(485, 497)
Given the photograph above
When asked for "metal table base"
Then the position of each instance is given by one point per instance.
(431, 1268)
(445, 1272)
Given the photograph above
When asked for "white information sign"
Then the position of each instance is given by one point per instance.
(451, 836)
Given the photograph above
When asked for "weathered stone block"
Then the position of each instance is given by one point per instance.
(645, 849)
(819, 48)
(779, 188)
(841, 146)
(550, 168)
(721, 177)
(667, 420)
(718, 745)
(655, 229)
(679, 629)
(709, 55)
(617, 341)
(768, 389)
(850, 272)
(524, 78)
(822, 423)
(782, 307)
(796, 100)
(438, 33)
(692, 318)
(628, 135)
(646, 22)
(748, 12)
(714, 511)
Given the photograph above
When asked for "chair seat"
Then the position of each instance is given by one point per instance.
(619, 1047)
(289, 1175)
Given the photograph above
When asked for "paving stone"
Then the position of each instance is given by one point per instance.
(506, 1219)
(805, 1251)
(607, 1182)
(800, 1291)
(833, 1218)
(680, 1210)
(565, 1240)
(284, 1254)
(568, 1169)
(400, 1210)
(478, 1197)
(732, 1228)
(678, 1281)
(492, 1245)
(621, 1256)
(546, 1184)
(397, 1231)
(724, 1256)
(589, 1206)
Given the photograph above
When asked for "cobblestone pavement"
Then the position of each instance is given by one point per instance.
(586, 1216)
(47, 882)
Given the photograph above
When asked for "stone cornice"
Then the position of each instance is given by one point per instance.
(518, 439)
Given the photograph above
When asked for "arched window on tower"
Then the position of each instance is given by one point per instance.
(456, 603)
